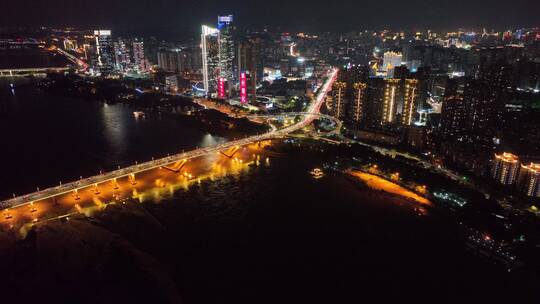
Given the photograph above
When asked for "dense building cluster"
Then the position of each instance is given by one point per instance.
(459, 97)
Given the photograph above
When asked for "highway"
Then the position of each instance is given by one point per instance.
(311, 114)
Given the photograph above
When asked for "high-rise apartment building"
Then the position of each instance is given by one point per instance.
(139, 59)
(392, 92)
(505, 168)
(249, 62)
(338, 102)
(122, 56)
(105, 63)
(453, 113)
(359, 102)
(410, 102)
(529, 179)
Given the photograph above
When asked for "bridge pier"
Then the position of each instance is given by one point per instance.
(96, 189)
(132, 179)
(115, 184)
(75, 195)
(32, 207)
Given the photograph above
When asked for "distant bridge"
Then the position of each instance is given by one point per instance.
(31, 71)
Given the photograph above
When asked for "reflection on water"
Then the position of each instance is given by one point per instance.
(208, 140)
(48, 139)
(114, 124)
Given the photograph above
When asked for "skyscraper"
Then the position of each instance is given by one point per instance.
(138, 56)
(391, 100)
(453, 114)
(481, 110)
(505, 168)
(105, 52)
(210, 58)
(410, 101)
(249, 62)
(226, 47)
(122, 56)
(337, 101)
(359, 101)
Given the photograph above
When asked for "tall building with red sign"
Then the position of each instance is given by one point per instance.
(243, 88)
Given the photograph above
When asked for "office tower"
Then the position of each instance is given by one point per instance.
(249, 62)
(337, 102)
(226, 47)
(391, 99)
(529, 179)
(391, 60)
(453, 114)
(138, 56)
(210, 58)
(505, 168)
(122, 56)
(410, 102)
(105, 52)
(359, 102)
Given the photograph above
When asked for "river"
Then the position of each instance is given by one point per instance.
(47, 139)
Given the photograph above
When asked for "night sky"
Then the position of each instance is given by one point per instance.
(292, 14)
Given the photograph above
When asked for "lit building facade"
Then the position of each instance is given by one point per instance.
(122, 56)
(391, 100)
(391, 60)
(337, 101)
(358, 102)
(210, 58)
(105, 52)
(410, 101)
(139, 59)
(225, 27)
(505, 168)
(453, 114)
(249, 63)
(529, 179)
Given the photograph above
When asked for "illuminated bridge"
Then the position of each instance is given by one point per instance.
(31, 71)
(308, 117)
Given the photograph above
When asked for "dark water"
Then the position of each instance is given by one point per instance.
(47, 139)
(30, 58)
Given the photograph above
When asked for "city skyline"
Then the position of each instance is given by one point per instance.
(221, 161)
